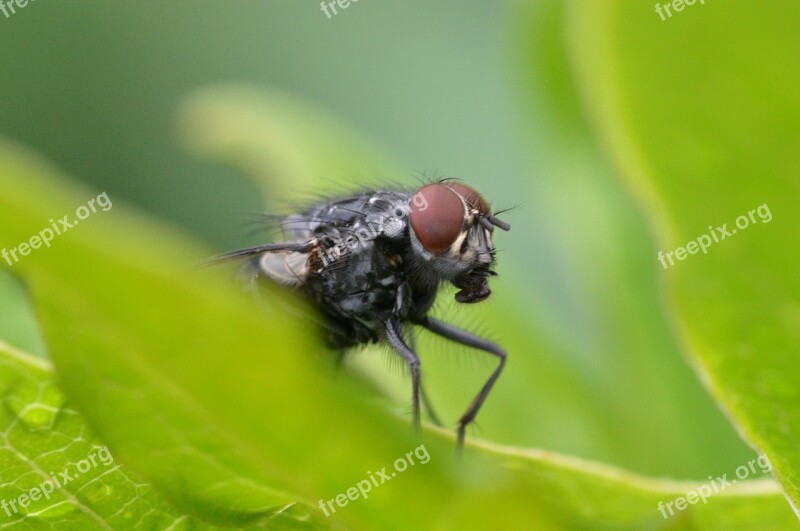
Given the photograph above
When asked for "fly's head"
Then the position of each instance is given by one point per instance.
(451, 228)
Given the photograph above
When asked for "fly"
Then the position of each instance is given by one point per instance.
(373, 262)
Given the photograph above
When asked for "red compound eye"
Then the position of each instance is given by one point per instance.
(473, 198)
(437, 215)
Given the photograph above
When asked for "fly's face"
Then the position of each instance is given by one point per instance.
(451, 233)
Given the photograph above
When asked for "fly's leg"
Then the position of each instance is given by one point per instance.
(426, 402)
(465, 338)
(394, 335)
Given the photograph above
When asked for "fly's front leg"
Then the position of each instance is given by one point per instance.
(394, 335)
(465, 338)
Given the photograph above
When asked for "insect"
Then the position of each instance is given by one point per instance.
(373, 262)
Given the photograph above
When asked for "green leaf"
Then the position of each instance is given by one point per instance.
(597, 277)
(701, 113)
(17, 320)
(43, 444)
(54, 473)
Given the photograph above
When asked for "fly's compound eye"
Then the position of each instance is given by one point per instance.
(472, 197)
(437, 216)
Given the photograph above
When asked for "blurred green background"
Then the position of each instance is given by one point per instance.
(468, 89)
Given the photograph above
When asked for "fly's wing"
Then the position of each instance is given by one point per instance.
(285, 267)
(289, 266)
(283, 262)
